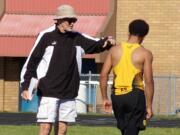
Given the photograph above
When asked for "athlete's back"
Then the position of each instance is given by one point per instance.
(138, 56)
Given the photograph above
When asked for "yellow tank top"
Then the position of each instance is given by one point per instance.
(127, 76)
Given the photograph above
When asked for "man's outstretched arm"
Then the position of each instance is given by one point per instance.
(94, 45)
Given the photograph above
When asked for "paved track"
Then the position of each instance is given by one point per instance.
(86, 120)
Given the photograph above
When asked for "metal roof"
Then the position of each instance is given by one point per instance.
(31, 25)
(83, 7)
(16, 46)
(24, 19)
(24, 25)
(18, 32)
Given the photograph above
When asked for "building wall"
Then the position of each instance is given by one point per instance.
(9, 79)
(1, 84)
(163, 40)
(108, 29)
(9, 84)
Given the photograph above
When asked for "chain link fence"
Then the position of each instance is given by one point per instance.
(166, 95)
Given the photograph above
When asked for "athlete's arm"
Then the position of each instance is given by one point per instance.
(149, 83)
(103, 83)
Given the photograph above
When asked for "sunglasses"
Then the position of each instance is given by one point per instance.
(70, 20)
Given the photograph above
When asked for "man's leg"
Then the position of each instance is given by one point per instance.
(45, 128)
(56, 127)
(47, 114)
(67, 113)
(62, 128)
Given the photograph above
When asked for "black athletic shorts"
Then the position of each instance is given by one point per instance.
(130, 108)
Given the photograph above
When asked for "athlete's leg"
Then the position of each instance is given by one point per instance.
(122, 132)
(131, 129)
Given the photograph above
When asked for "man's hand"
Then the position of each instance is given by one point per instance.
(149, 113)
(107, 106)
(25, 95)
(109, 42)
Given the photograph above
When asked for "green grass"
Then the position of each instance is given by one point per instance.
(84, 130)
(166, 117)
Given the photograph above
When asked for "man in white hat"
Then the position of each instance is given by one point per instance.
(54, 61)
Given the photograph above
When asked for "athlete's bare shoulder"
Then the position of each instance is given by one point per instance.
(115, 54)
(115, 49)
(140, 56)
(146, 53)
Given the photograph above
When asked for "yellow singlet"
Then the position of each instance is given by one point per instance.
(127, 76)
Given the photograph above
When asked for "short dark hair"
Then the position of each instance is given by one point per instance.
(139, 28)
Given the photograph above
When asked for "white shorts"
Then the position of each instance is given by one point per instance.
(54, 109)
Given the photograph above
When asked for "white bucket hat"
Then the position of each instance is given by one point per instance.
(65, 11)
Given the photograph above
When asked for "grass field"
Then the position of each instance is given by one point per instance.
(84, 130)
